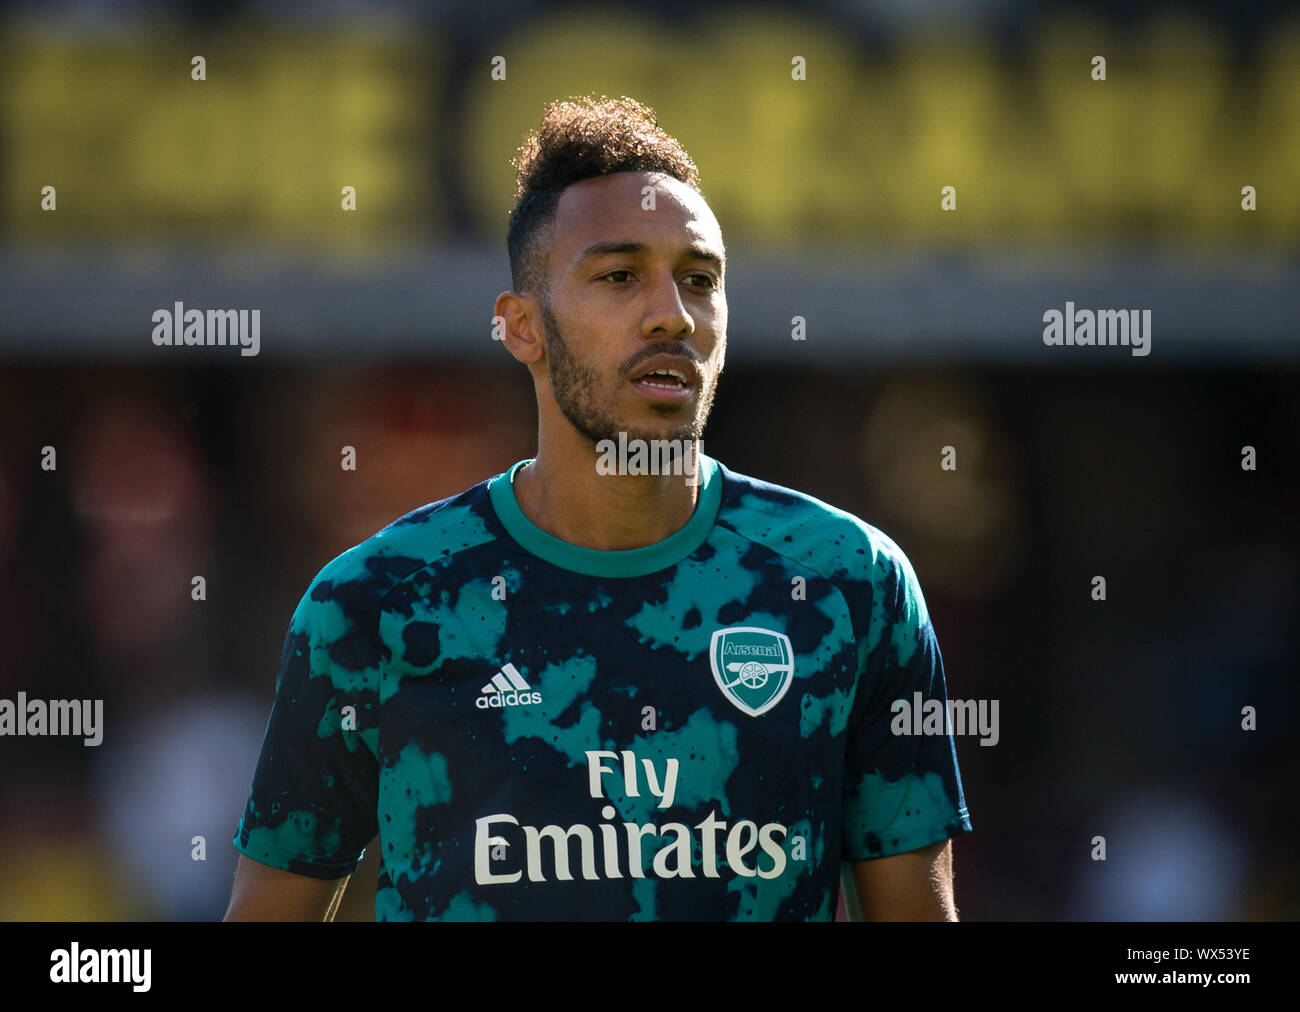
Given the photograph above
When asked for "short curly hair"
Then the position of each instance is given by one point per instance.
(581, 138)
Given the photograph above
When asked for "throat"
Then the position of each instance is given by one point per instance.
(608, 513)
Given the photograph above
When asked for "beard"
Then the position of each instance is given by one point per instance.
(578, 392)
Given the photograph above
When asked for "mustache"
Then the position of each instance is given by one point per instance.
(665, 348)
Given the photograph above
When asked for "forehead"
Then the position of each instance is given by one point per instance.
(610, 208)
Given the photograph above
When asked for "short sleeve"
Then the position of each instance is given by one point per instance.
(311, 809)
(902, 789)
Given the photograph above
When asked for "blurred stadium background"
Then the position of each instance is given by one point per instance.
(1118, 719)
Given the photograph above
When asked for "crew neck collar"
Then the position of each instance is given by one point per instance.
(593, 562)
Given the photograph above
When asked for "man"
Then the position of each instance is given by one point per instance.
(583, 691)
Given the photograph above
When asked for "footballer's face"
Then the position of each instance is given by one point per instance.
(636, 319)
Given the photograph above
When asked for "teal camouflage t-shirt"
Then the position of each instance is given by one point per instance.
(697, 729)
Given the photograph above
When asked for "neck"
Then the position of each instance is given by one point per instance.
(562, 492)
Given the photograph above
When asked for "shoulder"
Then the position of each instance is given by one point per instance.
(357, 580)
(830, 541)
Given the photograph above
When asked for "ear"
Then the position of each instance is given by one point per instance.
(523, 333)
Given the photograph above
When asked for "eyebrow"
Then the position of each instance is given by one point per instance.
(694, 251)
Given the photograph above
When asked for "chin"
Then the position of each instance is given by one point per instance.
(671, 424)
(676, 431)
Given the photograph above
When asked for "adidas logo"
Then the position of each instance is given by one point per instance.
(507, 688)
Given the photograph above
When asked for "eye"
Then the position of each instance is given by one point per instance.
(708, 280)
(621, 270)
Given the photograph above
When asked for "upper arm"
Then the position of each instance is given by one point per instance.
(914, 886)
(263, 893)
(902, 788)
(312, 805)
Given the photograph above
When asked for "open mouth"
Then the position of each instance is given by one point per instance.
(665, 379)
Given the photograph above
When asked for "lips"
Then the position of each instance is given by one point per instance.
(667, 373)
(667, 379)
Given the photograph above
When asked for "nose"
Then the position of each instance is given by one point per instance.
(666, 315)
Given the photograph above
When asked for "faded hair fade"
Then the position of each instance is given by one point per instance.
(581, 138)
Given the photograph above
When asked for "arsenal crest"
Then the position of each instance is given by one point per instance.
(753, 667)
